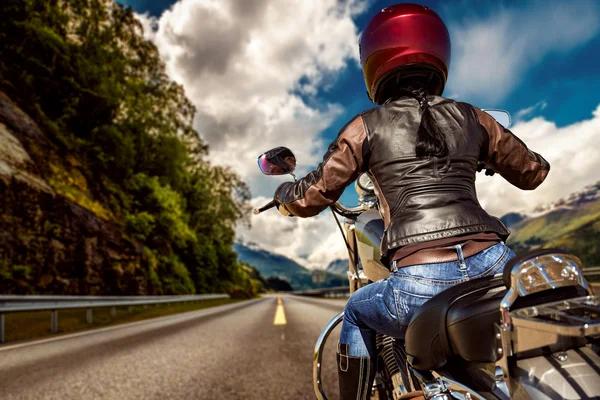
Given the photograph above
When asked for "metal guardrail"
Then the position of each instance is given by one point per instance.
(14, 304)
(323, 291)
(595, 271)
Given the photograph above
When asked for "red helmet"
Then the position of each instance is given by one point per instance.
(407, 38)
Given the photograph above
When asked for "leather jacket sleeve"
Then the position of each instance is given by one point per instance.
(509, 156)
(346, 157)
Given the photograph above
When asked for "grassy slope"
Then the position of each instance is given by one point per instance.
(583, 242)
(555, 224)
(575, 230)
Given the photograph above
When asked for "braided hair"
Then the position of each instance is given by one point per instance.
(431, 141)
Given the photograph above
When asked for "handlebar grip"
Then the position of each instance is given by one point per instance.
(264, 208)
(484, 167)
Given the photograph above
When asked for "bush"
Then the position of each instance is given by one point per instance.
(167, 208)
(139, 225)
(15, 279)
(175, 276)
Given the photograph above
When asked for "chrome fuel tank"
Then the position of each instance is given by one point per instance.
(369, 231)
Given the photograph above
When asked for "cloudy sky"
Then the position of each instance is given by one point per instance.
(264, 73)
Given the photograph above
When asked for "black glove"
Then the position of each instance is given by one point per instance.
(488, 171)
(280, 207)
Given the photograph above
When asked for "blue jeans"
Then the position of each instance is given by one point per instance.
(388, 305)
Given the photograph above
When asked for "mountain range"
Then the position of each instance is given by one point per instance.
(339, 266)
(275, 265)
(571, 223)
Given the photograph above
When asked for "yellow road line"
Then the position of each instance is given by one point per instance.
(279, 313)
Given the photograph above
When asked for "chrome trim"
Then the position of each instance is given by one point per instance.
(318, 355)
(500, 110)
(355, 275)
(349, 210)
(500, 383)
(548, 271)
(561, 356)
(435, 389)
(543, 377)
(459, 391)
(444, 388)
(542, 325)
(544, 272)
(364, 191)
(368, 201)
(369, 231)
(438, 387)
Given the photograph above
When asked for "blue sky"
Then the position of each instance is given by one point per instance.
(571, 82)
(537, 59)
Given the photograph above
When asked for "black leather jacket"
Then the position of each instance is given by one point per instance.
(421, 199)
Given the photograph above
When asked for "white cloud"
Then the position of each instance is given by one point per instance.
(491, 56)
(526, 112)
(246, 65)
(149, 24)
(312, 242)
(574, 156)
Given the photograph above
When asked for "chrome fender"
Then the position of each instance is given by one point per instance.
(319, 346)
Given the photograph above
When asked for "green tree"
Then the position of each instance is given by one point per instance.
(83, 70)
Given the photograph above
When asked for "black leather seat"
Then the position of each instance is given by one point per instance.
(460, 320)
(457, 322)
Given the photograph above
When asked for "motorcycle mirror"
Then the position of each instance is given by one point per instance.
(501, 116)
(277, 161)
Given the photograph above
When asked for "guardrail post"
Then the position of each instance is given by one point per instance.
(2, 335)
(130, 309)
(113, 312)
(89, 316)
(54, 321)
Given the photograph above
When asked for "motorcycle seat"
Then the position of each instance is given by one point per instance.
(457, 322)
(460, 320)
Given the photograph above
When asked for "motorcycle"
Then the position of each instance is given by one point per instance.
(532, 332)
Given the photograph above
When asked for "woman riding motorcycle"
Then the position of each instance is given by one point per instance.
(422, 152)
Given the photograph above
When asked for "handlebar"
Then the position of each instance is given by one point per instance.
(266, 207)
(348, 211)
(356, 211)
(338, 207)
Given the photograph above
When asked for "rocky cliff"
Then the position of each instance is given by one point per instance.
(55, 237)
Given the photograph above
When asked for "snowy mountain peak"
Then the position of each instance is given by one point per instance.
(586, 195)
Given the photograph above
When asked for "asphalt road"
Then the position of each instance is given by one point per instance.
(228, 352)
